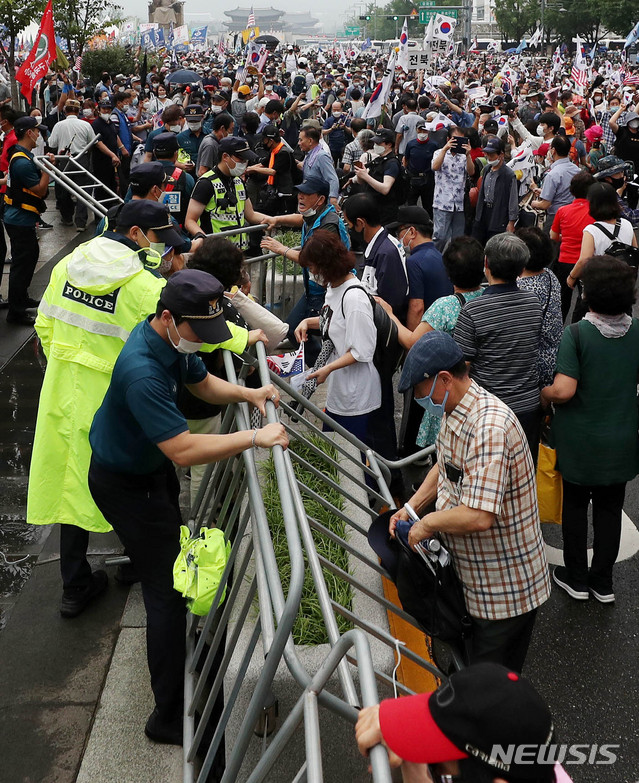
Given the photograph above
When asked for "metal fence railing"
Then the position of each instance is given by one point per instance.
(257, 609)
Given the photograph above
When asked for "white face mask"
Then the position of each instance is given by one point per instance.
(422, 136)
(310, 212)
(379, 149)
(175, 128)
(633, 124)
(492, 163)
(183, 345)
(104, 116)
(194, 125)
(215, 109)
(337, 114)
(540, 130)
(238, 169)
(87, 112)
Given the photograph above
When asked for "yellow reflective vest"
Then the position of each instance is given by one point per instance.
(223, 213)
(95, 297)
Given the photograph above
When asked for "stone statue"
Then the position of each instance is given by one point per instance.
(166, 12)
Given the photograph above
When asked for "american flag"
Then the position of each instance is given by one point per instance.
(631, 79)
(251, 19)
(579, 72)
(78, 64)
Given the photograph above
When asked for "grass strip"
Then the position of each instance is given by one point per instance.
(309, 627)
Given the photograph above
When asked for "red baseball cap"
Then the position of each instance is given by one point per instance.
(479, 708)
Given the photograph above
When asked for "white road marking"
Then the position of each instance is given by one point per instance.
(629, 544)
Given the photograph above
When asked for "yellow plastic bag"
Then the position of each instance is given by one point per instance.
(549, 486)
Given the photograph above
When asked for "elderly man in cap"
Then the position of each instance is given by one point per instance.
(313, 213)
(486, 510)
(95, 298)
(317, 162)
(27, 188)
(70, 137)
(498, 200)
(457, 731)
(132, 478)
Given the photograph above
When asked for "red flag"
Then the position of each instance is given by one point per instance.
(40, 57)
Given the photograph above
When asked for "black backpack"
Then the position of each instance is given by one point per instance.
(402, 181)
(388, 351)
(299, 85)
(618, 249)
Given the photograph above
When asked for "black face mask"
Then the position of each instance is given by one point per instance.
(617, 182)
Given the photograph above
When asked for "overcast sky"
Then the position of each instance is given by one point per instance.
(196, 11)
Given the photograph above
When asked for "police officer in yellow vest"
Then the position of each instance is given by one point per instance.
(24, 201)
(219, 201)
(95, 297)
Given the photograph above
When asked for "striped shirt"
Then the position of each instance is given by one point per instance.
(499, 334)
(503, 570)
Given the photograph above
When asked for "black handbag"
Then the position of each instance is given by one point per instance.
(428, 589)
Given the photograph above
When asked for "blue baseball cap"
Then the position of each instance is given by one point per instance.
(432, 353)
(197, 296)
(314, 185)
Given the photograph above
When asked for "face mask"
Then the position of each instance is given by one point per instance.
(406, 247)
(397, 92)
(194, 125)
(104, 116)
(183, 346)
(308, 213)
(540, 130)
(337, 114)
(87, 112)
(434, 408)
(146, 105)
(161, 95)
(215, 109)
(492, 163)
(175, 128)
(120, 89)
(634, 124)
(422, 137)
(38, 117)
(238, 169)
(618, 182)
(379, 149)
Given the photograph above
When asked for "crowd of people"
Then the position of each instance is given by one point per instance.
(470, 210)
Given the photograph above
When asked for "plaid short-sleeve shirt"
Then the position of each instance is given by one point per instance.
(485, 463)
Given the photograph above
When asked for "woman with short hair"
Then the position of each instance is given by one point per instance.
(346, 319)
(595, 425)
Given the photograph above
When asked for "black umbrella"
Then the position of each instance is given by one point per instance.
(270, 40)
(183, 77)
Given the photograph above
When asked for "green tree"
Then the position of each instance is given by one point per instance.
(619, 16)
(77, 21)
(570, 18)
(381, 28)
(15, 15)
(113, 59)
(515, 18)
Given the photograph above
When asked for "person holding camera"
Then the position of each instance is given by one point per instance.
(498, 199)
(451, 164)
(335, 131)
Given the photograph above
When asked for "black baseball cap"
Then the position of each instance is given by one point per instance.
(432, 353)
(478, 708)
(271, 132)
(165, 141)
(232, 145)
(413, 216)
(196, 296)
(27, 123)
(150, 216)
(384, 135)
(149, 174)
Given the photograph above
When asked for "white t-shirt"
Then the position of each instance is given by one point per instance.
(356, 389)
(602, 242)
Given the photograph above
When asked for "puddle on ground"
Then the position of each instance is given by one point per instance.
(20, 383)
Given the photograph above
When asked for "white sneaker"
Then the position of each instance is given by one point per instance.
(603, 598)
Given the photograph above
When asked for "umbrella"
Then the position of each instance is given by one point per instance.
(183, 77)
(270, 40)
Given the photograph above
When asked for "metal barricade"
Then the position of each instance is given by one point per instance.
(231, 495)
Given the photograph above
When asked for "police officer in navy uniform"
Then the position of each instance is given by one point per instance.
(137, 435)
(180, 185)
(190, 139)
(27, 187)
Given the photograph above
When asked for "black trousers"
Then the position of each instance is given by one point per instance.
(607, 505)
(24, 257)
(383, 434)
(74, 566)
(562, 271)
(64, 200)
(424, 188)
(144, 512)
(531, 425)
(503, 641)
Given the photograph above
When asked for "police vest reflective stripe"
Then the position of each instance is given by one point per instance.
(83, 321)
(22, 198)
(230, 216)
